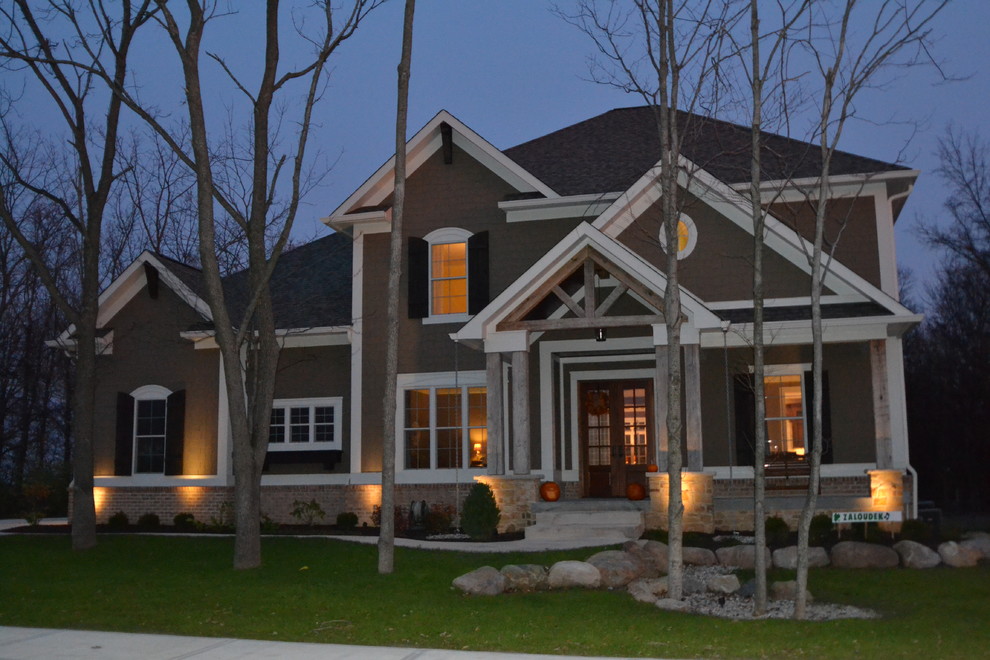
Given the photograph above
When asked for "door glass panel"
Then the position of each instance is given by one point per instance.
(598, 419)
(634, 425)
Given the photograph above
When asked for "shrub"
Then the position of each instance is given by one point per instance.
(347, 520)
(308, 512)
(36, 496)
(184, 522)
(118, 521)
(268, 526)
(439, 519)
(149, 521)
(778, 533)
(916, 530)
(400, 518)
(481, 514)
(821, 530)
(224, 520)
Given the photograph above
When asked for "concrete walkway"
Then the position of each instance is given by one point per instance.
(47, 644)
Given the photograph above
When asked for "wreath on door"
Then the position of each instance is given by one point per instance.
(596, 402)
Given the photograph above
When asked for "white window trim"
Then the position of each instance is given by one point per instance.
(148, 393)
(335, 402)
(440, 379)
(692, 237)
(443, 236)
(796, 369)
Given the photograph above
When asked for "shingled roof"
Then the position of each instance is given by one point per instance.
(610, 152)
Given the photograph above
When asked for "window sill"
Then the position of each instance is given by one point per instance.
(302, 446)
(446, 318)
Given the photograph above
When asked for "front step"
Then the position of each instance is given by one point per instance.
(572, 520)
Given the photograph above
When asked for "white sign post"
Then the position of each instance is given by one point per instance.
(866, 516)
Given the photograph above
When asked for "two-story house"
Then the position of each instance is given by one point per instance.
(532, 340)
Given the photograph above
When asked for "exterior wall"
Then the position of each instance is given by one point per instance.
(147, 350)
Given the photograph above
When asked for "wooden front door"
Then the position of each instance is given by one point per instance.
(616, 431)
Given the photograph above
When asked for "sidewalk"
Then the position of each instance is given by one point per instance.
(47, 644)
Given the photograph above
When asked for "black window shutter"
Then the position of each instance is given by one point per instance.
(809, 394)
(419, 278)
(123, 455)
(175, 423)
(478, 272)
(745, 400)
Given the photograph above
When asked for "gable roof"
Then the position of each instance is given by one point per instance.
(610, 152)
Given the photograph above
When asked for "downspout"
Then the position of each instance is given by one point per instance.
(914, 491)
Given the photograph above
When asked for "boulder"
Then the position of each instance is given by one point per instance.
(647, 590)
(958, 556)
(617, 567)
(979, 543)
(857, 554)
(698, 557)
(673, 605)
(566, 574)
(723, 584)
(748, 589)
(525, 577)
(916, 555)
(692, 585)
(485, 581)
(787, 557)
(654, 560)
(787, 590)
(743, 556)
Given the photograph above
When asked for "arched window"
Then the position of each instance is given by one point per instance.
(150, 423)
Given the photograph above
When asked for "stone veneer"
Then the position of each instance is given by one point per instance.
(698, 491)
(514, 495)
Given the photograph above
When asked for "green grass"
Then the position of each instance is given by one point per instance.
(319, 590)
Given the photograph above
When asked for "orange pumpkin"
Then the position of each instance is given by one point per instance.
(635, 492)
(652, 467)
(550, 491)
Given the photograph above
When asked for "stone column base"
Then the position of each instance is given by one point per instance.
(697, 492)
(887, 494)
(514, 495)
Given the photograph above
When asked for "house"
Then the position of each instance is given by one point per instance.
(532, 337)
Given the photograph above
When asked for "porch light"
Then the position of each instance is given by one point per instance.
(600, 334)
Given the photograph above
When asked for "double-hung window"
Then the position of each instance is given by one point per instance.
(443, 425)
(300, 424)
(448, 275)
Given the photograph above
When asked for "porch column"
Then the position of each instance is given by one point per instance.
(496, 430)
(660, 395)
(881, 404)
(520, 412)
(692, 404)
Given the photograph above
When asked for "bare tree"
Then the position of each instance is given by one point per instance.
(76, 180)
(386, 538)
(667, 52)
(848, 59)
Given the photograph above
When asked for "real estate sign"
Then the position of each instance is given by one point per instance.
(866, 516)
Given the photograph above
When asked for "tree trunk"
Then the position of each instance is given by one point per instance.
(386, 538)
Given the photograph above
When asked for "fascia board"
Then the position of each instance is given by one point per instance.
(575, 206)
(423, 145)
(782, 333)
(337, 335)
(777, 185)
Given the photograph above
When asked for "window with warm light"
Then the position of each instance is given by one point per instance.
(687, 236)
(448, 278)
(445, 427)
(784, 396)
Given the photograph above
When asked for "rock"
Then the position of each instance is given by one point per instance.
(617, 567)
(787, 590)
(787, 557)
(566, 574)
(857, 554)
(673, 605)
(698, 557)
(485, 581)
(743, 556)
(979, 543)
(647, 590)
(650, 560)
(748, 589)
(525, 577)
(958, 556)
(723, 584)
(916, 555)
(692, 585)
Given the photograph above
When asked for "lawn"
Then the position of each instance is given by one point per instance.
(320, 590)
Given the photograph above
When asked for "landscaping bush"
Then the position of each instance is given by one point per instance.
(347, 520)
(916, 530)
(224, 520)
(439, 519)
(36, 496)
(400, 517)
(308, 512)
(118, 521)
(184, 522)
(481, 514)
(821, 531)
(268, 526)
(149, 521)
(778, 533)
